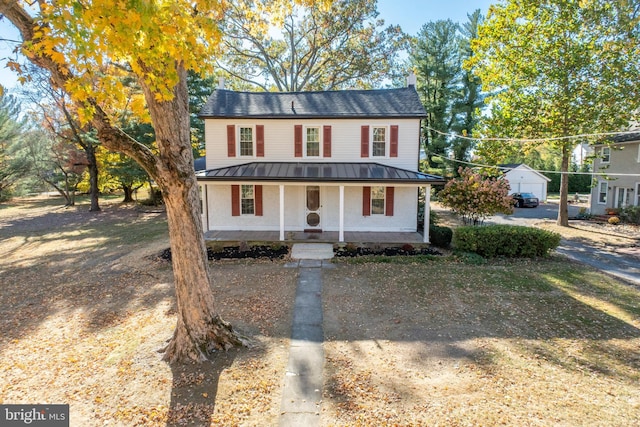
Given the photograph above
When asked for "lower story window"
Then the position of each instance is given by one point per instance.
(247, 200)
(377, 200)
(602, 193)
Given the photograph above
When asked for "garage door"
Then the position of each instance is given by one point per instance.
(536, 188)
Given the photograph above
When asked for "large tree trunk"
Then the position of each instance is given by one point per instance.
(563, 209)
(199, 328)
(128, 193)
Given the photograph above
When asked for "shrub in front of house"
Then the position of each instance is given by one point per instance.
(505, 240)
(440, 236)
(630, 215)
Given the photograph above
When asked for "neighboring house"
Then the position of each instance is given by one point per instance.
(313, 161)
(523, 179)
(620, 162)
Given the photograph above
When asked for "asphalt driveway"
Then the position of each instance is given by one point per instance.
(625, 266)
(527, 216)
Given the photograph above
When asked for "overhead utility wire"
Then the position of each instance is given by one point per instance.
(536, 170)
(555, 138)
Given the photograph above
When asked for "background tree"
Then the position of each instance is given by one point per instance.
(451, 95)
(558, 68)
(58, 116)
(317, 50)
(437, 61)
(472, 98)
(87, 48)
(14, 164)
(475, 196)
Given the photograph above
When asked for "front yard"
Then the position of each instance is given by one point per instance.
(86, 305)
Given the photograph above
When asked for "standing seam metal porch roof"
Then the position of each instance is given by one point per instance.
(379, 103)
(318, 172)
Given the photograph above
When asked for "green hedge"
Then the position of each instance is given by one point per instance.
(505, 240)
(440, 236)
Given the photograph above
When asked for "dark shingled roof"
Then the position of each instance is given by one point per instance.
(402, 102)
(627, 137)
(318, 172)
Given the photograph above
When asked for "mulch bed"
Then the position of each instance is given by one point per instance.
(279, 252)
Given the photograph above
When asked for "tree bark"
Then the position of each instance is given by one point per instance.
(128, 193)
(90, 150)
(199, 328)
(563, 209)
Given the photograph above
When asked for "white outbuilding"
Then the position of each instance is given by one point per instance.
(524, 179)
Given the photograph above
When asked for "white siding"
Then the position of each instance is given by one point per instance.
(220, 218)
(345, 146)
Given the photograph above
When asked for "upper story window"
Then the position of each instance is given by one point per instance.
(605, 155)
(638, 153)
(379, 142)
(246, 141)
(313, 142)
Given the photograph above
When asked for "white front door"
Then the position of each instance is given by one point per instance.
(312, 215)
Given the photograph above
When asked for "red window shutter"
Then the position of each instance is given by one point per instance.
(326, 141)
(231, 140)
(259, 140)
(388, 201)
(364, 141)
(366, 201)
(257, 195)
(235, 200)
(393, 149)
(297, 137)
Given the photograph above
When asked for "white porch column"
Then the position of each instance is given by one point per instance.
(341, 232)
(281, 212)
(427, 207)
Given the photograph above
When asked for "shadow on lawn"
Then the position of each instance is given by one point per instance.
(446, 307)
(195, 389)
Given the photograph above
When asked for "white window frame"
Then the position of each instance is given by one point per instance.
(638, 159)
(603, 155)
(605, 192)
(253, 141)
(252, 198)
(387, 141)
(374, 190)
(320, 142)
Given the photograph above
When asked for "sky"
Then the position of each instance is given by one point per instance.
(411, 15)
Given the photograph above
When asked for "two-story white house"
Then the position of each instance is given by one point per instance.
(620, 162)
(332, 161)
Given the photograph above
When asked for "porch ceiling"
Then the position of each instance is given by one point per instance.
(318, 172)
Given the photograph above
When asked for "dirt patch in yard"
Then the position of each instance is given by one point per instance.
(86, 305)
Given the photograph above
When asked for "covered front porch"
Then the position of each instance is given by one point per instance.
(355, 237)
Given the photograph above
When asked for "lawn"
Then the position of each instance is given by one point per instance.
(86, 305)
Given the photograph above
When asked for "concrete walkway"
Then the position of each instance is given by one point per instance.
(302, 393)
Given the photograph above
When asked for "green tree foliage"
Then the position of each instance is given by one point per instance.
(345, 46)
(451, 95)
(199, 90)
(14, 163)
(557, 68)
(475, 196)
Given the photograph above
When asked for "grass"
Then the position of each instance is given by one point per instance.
(408, 340)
